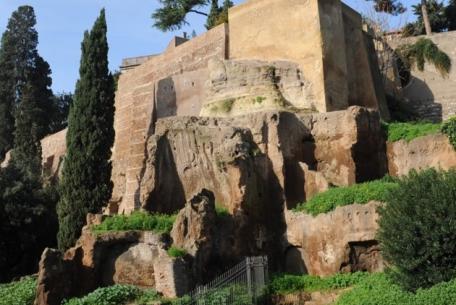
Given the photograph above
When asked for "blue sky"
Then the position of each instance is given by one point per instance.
(61, 25)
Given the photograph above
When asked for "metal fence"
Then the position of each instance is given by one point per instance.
(244, 284)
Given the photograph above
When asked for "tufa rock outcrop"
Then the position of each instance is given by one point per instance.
(343, 240)
(260, 159)
(130, 257)
(424, 152)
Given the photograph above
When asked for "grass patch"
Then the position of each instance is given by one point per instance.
(358, 193)
(176, 252)
(410, 130)
(284, 284)
(377, 289)
(221, 211)
(18, 293)
(159, 223)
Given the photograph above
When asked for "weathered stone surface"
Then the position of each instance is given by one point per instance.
(239, 87)
(420, 153)
(53, 149)
(194, 231)
(288, 156)
(53, 281)
(338, 241)
(129, 257)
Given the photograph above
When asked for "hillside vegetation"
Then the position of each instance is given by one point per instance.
(340, 196)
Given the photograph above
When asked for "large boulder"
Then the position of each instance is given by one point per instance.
(343, 240)
(424, 152)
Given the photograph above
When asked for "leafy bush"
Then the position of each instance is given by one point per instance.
(113, 295)
(449, 128)
(284, 284)
(341, 196)
(18, 293)
(410, 130)
(378, 289)
(417, 229)
(176, 252)
(159, 223)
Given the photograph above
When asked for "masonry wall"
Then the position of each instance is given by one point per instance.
(136, 112)
(428, 93)
(273, 30)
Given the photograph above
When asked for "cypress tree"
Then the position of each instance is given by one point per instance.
(85, 185)
(18, 57)
(213, 15)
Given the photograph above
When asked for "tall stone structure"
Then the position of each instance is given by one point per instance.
(307, 55)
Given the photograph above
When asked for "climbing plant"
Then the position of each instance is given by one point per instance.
(422, 51)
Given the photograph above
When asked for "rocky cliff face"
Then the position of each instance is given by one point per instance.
(258, 160)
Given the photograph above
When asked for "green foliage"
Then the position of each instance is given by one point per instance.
(449, 128)
(140, 221)
(438, 19)
(224, 106)
(61, 108)
(284, 284)
(176, 252)
(213, 15)
(86, 176)
(18, 293)
(393, 7)
(113, 295)
(259, 99)
(221, 211)
(22, 71)
(358, 193)
(450, 12)
(422, 51)
(378, 289)
(172, 13)
(417, 229)
(410, 130)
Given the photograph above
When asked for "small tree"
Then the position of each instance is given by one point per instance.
(86, 177)
(417, 229)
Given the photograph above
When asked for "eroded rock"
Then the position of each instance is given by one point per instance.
(343, 240)
(420, 153)
(130, 257)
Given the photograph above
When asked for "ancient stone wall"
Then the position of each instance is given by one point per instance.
(135, 105)
(428, 93)
(324, 37)
(53, 149)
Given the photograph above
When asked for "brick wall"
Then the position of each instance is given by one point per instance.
(136, 113)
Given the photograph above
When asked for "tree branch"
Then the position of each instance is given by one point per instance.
(197, 12)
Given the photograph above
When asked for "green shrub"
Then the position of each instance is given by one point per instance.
(284, 284)
(18, 293)
(159, 223)
(378, 289)
(176, 252)
(147, 297)
(341, 196)
(449, 128)
(221, 211)
(417, 229)
(113, 295)
(410, 130)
